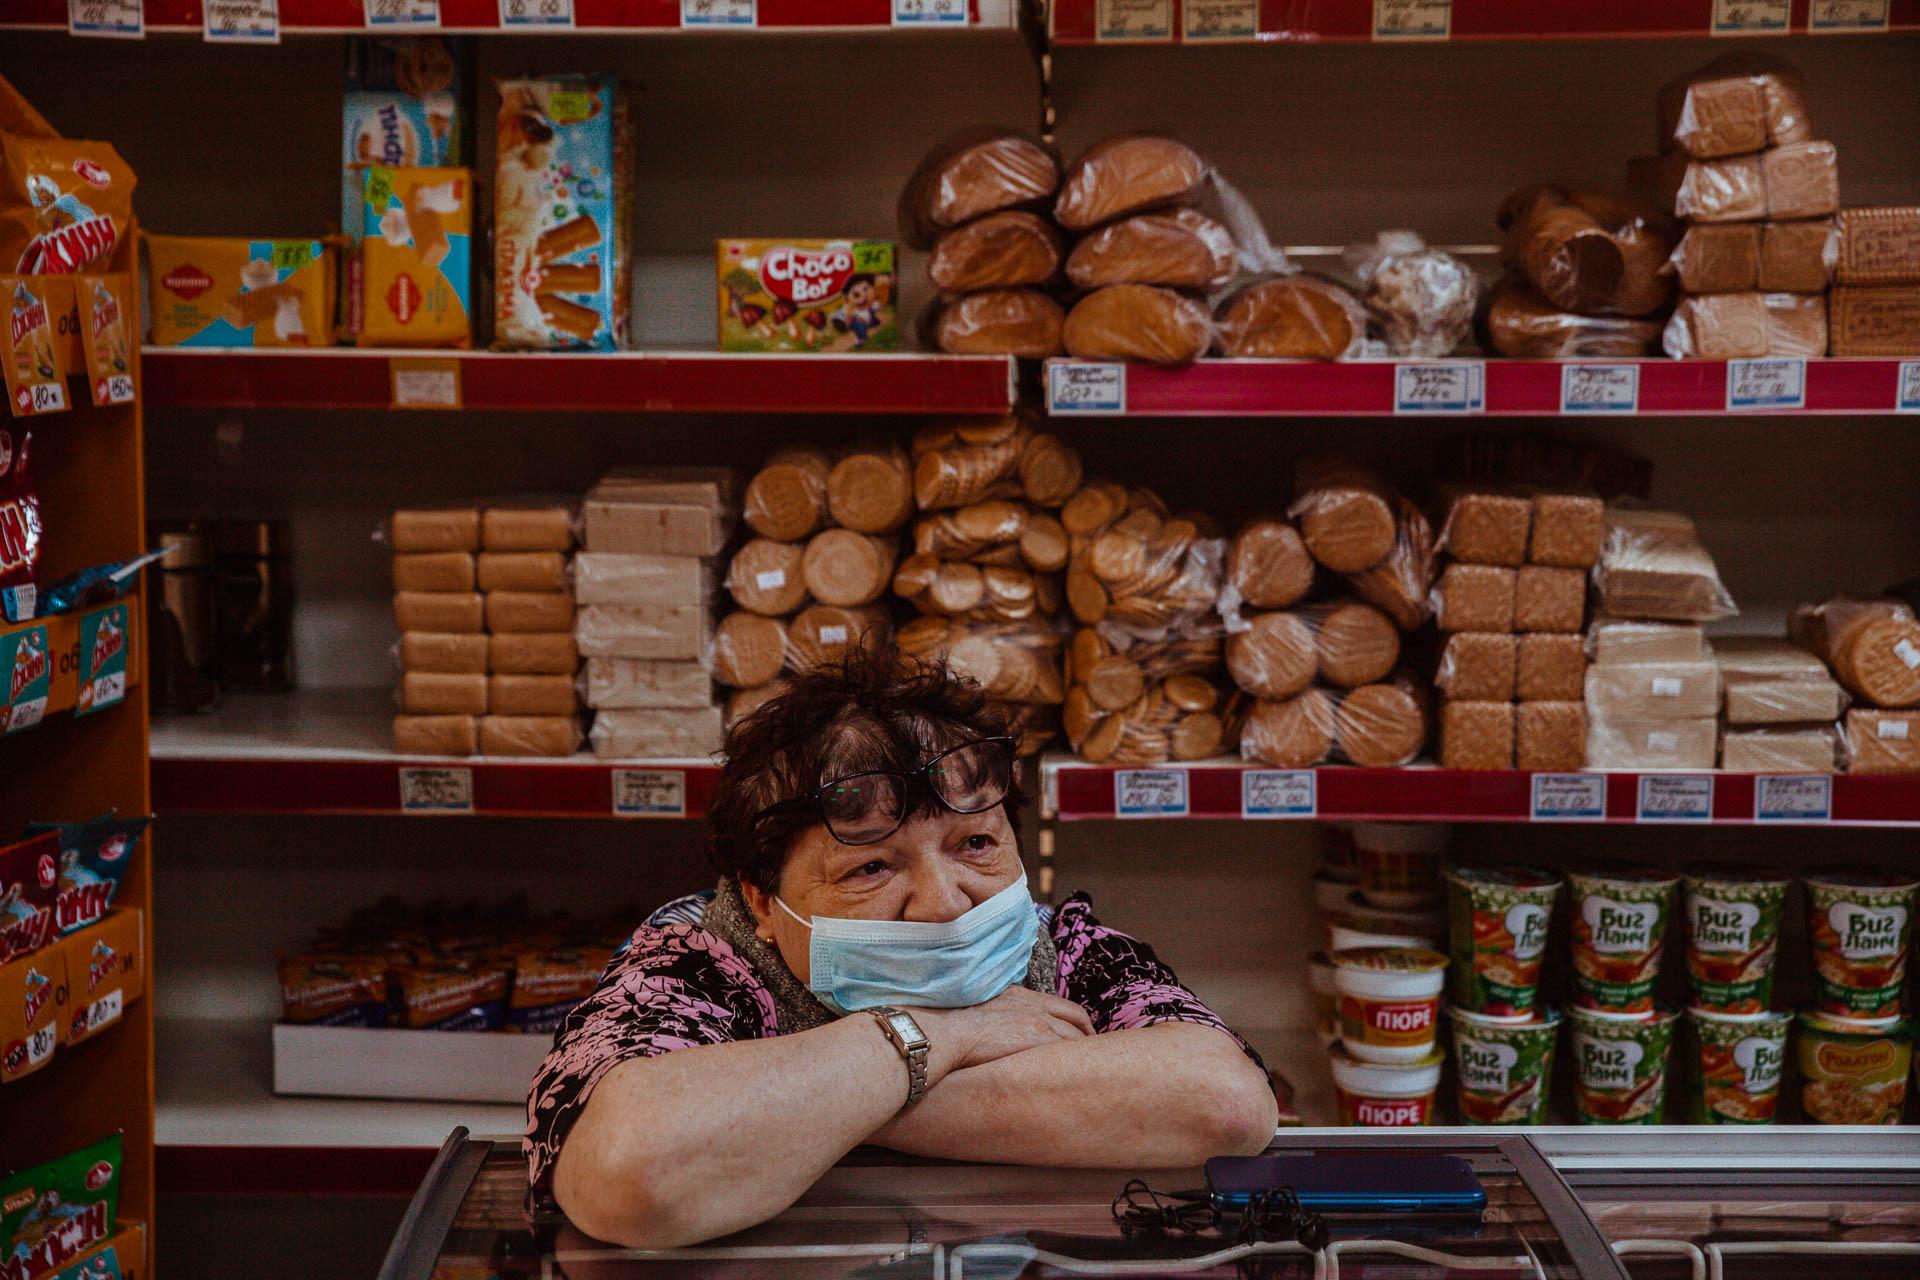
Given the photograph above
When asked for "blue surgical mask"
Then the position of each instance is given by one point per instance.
(858, 964)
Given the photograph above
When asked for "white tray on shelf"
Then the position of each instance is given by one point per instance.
(384, 1062)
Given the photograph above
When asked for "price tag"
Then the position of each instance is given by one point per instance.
(1279, 793)
(1212, 21)
(717, 13)
(649, 793)
(1751, 17)
(28, 657)
(396, 15)
(1599, 388)
(1087, 389)
(424, 790)
(1412, 19)
(115, 19)
(1440, 386)
(40, 1045)
(114, 389)
(1907, 389)
(1569, 797)
(103, 1012)
(424, 384)
(240, 21)
(1150, 793)
(40, 397)
(1780, 797)
(1772, 383)
(1840, 16)
(930, 13)
(1115, 21)
(1676, 797)
(536, 13)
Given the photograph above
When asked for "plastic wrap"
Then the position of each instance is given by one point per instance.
(1177, 248)
(1197, 652)
(1011, 661)
(433, 571)
(1000, 251)
(1477, 666)
(821, 634)
(1771, 682)
(845, 568)
(425, 529)
(1550, 668)
(749, 649)
(525, 571)
(767, 577)
(974, 173)
(658, 734)
(1275, 657)
(509, 695)
(870, 490)
(1586, 252)
(424, 693)
(1567, 530)
(1873, 647)
(999, 322)
(961, 464)
(1295, 317)
(1878, 741)
(1652, 566)
(552, 653)
(1180, 719)
(529, 611)
(1487, 528)
(645, 631)
(1345, 512)
(1139, 569)
(1648, 691)
(436, 735)
(787, 498)
(1651, 744)
(1550, 736)
(1729, 190)
(1739, 102)
(1476, 735)
(439, 652)
(960, 589)
(530, 524)
(628, 683)
(1290, 733)
(1382, 724)
(1879, 245)
(1421, 300)
(1268, 567)
(1401, 585)
(1796, 324)
(1344, 643)
(1474, 597)
(1549, 599)
(1719, 257)
(1807, 748)
(535, 735)
(1802, 180)
(605, 578)
(1797, 257)
(462, 612)
(1125, 174)
(1523, 325)
(1138, 322)
(1616, 640)
(673, 511)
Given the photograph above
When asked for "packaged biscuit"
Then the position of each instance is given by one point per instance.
(416, 261)
(64, 206)
(232, 291)
(36, 373)
(563, 205)
(94, 857)
(450, 996)
(29, 876)
(548, 982)
(52, 1213)
(334, 989)
(807, 295)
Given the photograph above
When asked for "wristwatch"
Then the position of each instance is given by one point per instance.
(912, 1043)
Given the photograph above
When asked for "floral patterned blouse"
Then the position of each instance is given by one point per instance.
(673, 985)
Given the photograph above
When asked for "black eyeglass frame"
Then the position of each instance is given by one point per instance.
(921, 777)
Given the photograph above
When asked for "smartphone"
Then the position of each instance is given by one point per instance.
(1401, 1183)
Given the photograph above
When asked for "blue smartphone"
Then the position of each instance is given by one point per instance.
(1401, 1183)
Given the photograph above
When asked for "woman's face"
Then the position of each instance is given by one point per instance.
(934, 868)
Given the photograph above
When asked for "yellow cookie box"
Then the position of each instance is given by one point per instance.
(416, 259)
(230, 291)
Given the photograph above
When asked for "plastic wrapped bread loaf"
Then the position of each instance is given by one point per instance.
(1177, 248)
(1567, 530)
(1812, 748)
(460, 612)
(1796, 324)
(1549, 599)
(787, 498)
(1586, 252)
(1522, 324)
(1296, 317)
(437, 735)
(1275, 657)
(1802, 180)
(1634, 692)
(1773, 682)
(1000, 251)
(1718, 326)
(1550, 668)
(1125, 174)
(841, 567)
(1796, 257)
(749, 649)
(1616, 640)
(1719, 257)
(1879, 741)
(1401, 586)
(1487, 528)
(447, 654)
(530, 524)
(1346, 513)
(766, 577)
(975, 173)
(1421, 301)
(1355, 644)
(509, 695)
(433, 571)
(820, 635)
(1733, 189)
(1477, 666)
(1651, 744)
(425, 693)
(1474, 597)
(1268, 566)
(1383, 724)
(870, 490)
(1873, 647)
(535, 654)
(628, 683)
(532, 735)
(1138, 322)
(546, 611)
(999, 322)
(1290, 733)
(1550, 736)
(1653, 566)
(528, 570)
(426, 529)
(1739, 102)
(1476, 735)
(658, 734)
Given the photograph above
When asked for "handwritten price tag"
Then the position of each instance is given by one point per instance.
(1440, 386)
(1569, 797)
(424, 383)
(1779, 797)
(1150, 793)
(1412, 19)
(1133, 20)
(1676, 797)
(717, 13)
(425, 790)
(1751, 17)
(1907, 389)
(1834, 17)
(114, 19)
(649, 793)
(1087, 389)
(536, 13)
(1278, 793)
(240, 21)
(1766, 384)
(40, 397)
(389, 15)
(1212, 21)
(103, 1012)
(1599, 388)
(929, 13)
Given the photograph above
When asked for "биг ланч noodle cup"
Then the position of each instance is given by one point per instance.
(1735, 1062)
(1505, 1068)
(1620, 1066)
(1619, 931)
(1859, 923)
(1733, 935)
(1389, 1001)
(1498, 919)
(1853, 1072)
(1379, 1095)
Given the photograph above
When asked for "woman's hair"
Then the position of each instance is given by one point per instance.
(877, 709)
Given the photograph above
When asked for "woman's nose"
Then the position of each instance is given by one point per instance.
(935, 895)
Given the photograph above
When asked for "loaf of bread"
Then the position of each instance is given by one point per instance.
(1807, 748)
(1138, 322)
(1797, 257)
(658, 734)
(433, 571)
(1276, 656)
(1292, 733)
(1873, 647)
(820, 635)
(1346, 513)
(533, 524)
(1487, 528)
(550, 653)
(999, 322)
(1476, 735)
(1522, 324)
(1567, 529)
(1718, 326)
(1651, 744)
(1179, 248)
(1802, 180)
(1268, 564)
(426, 693)
(1477, 666)
(1474, 597)
(1000, 251)
(1550, 736)
(436, 735)
(547, 611)
(428, 529)
(1796, 324)
(1617, 640)
(976, 173)
(749, 649)
(1549, 599)
(1381, 725)
(1774, 682)
(1654, 691)
(1550, 668)
(628, 683)
(1126, 174)
(447, 654)
(1587, 252)
(1882, 741)
(1401, 586)
(1737, 103)
(643, 631)
(871, 490)
(766, 577)
(605, 577)
(1652, 566)
(462, 612)
(1297, 317)
(525, 571)
(1356, 643)
(787, 498)
(1877, 245)
(1873, 320)
(1719, 257)
(1733, 189)
(511, 695)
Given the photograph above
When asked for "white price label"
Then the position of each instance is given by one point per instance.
(536, 13)
(1751, 17)
(1440, 386)
(1089, 389)
(1770, 383)
(117, 19)
(40, 1045)
(1150, 793)
(833, 635)
(103, 1012)
(1599, 388)
(41, 397)
(929, 13)
(1779, 797)
(1122, 20)
(717, 13)
(109, 690)
(436, 790)
(1908, 388)
(1569, 797)
(1279, 793)
(390, 15)
(770, 579)
(425, 388)
(1676, 797)
(240, 21)
(117, 389)
(1840, 16)
(1206, 21)
(649, 793)
(1412, 19)
(25, 715)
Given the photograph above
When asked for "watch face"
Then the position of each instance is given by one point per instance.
(904, 1027)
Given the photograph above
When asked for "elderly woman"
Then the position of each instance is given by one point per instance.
(871, 969)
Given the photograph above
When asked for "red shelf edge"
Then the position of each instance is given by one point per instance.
(460, 16)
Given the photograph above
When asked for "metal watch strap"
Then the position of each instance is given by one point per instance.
(915, 1053)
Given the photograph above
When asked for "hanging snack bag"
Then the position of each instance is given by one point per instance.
(19, 527)
(52, 1213)
(36, 371)
(29, 879)
(416, 258)
(94, 856)
(64, 205)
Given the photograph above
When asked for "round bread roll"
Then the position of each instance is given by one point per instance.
(871, 491)
(820, 634)
(787, 499)
(1124, 174)
(1380, 725)
(1873, 661)
(847, 568)
(1049, 470)
(1358, 644)
(767, 577)
(1115, 683)
(975, 173)
(1291, 734)
(1269, 565)
(1292, 318)
(1400, 586)
(1138, 322)
(1345, 517)
(1198, 736)
(1000, 251)
(1179, 248)
(1001, 322)
(1043, 544)
(742, 703)
(1275, 657)
(749, 649)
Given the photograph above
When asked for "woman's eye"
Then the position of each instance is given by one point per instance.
(869, 869)
(981, 844)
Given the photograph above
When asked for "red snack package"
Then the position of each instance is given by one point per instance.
(19, 527)
(29, 881)
(64, 206)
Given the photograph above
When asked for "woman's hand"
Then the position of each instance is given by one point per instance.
(1015, 1020)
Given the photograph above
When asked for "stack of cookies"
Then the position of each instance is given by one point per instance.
(1873, 649)
(1141, 701)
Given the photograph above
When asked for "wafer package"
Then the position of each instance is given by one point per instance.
(416, 258)
(807, 295)
(233, 291)
(401, 107)
(563, 211)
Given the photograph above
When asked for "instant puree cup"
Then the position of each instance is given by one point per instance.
(1400, 862)
(1505, 1068)
(1389, 1001)
(1734, 1066)
(1619, 934)
(1859, 924)
(1497, 920)
(1359, 925)
(1620, 1065)
(1853, 1072)
(1379, 1095)
(1733, 935)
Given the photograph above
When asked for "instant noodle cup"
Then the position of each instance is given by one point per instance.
(1505, 1068)
(1383, 1095)
(1735, 1064)
(1320, 981)
(1859, 923)
(1400, 862)
(1359, 925)
(1619, 933)
(1853, 1071)
(1389, 1001)
(1498, 920)
(1620, 1065)
(1733, 935)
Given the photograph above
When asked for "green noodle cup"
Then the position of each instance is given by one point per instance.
(1859, 925)
(1620, 1065)
(1735, 1061)
(1733, 936)
(1497, 919)
(1505, 1068)
(1619, 935)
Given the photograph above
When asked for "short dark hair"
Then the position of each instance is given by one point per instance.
(876, 709)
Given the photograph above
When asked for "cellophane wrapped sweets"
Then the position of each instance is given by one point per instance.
(1586, 252)
(1142, 701)
(1421, 301)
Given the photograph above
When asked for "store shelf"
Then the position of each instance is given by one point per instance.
(325, 751)
(1236, 789)
(629, 16)
(1076, 22)
(635, 381)
(1534, 388)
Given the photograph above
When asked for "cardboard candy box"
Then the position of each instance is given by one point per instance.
(807, 295)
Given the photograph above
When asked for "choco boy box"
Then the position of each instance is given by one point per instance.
(806, 295)
(52, 1213)
(416, 258)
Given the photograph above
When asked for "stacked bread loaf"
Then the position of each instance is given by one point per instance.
(1873, 648)
(1758, 193)
(1586, 275)
(645, 584)
(1874, 306)
(1779, 705)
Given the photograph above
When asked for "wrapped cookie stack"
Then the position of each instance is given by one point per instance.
(1874, 307)
(1758, 194)
(1586, 275)
(645, 583)
(1873, 648)
(1653, 691)
(810, 583)
(1779, 705)
(1512, 603)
